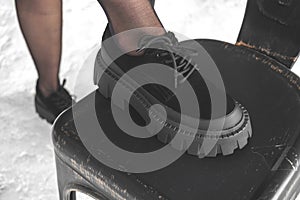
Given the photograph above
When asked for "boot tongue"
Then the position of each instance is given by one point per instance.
(172, 36)
(150, 41)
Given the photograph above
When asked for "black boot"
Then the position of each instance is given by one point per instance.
(236, 129)
(50, 107)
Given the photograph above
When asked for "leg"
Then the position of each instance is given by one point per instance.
(130, 14)
(41, 24)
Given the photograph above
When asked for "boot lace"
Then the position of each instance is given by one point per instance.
(181, 57)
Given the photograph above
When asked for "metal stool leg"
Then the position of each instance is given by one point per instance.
(65, 180)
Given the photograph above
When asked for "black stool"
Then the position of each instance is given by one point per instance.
(267, 168)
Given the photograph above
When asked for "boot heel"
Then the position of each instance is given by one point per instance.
(43, 113)
(102, 79)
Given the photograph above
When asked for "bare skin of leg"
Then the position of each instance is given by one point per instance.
(130, 14)
(41, 24)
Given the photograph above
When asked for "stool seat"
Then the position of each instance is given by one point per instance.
(267, 168)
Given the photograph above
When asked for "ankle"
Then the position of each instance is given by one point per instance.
(47, 89)
(129, 42)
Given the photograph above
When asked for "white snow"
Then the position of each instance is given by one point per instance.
(27, 168)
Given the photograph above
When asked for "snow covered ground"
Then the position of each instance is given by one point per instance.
(27, 168)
